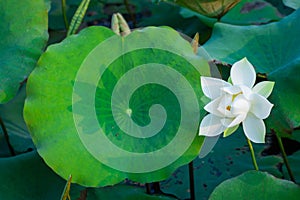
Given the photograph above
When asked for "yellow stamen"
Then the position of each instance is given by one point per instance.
(228, 108)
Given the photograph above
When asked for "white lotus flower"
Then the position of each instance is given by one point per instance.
(239, 102)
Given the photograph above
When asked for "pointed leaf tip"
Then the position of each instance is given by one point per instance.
(195, 43)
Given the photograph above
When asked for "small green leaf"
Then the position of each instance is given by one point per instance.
(229, 80)
(256, 185)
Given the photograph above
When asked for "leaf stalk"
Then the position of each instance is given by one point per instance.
(252, 155)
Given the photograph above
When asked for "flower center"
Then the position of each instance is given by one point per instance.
(228, 108)
(232, 99)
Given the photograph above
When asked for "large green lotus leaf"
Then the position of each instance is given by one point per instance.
(229, 158)
(11, 114)
(27, 177)
(103, 107)
(256, 185)
(287, 82)
(23, 26)
(273, 50)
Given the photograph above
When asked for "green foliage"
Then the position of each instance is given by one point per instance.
(229, 158)
(23, 35)
(292, 4)
(27, 177)
(59, 85)
(164, 14)
(248, 29)
(252, 12)
(56, 20)
(256, 185)
(294, 161)
(210, 8)
(246, 12)
(272, 50)
(11, 114)
(78, 17)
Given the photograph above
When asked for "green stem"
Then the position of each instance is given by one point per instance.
(252, 155)
(11, 149)
(284, 156)
(64, 12)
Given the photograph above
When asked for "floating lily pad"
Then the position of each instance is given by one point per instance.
(273, 50)
(23, 26)
(256, 185)
(27, 177)
(103, 107)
